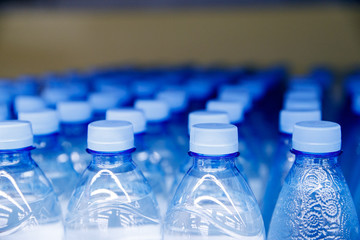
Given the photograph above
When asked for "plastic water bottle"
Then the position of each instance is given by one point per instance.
(249, 162)
(196, 117)
(283, 159)
(49, 153)
(159, 138)
(52, 96)
(349, 160)
(102, 101)
(29, 207)
(24, 103)
(213, 201)
(302, 104)
(113, 199)
(145, 156)
(74, 119)
(315, 202)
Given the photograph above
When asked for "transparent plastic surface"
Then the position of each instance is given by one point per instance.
(29, 208)
(282, 162)
(55, 163)
(113, 200)
(73, 137)
(213, 201)
(251, 165)
(164, 150)
(315, 202)
(149, 162)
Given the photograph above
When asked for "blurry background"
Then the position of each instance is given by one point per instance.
(39, 36)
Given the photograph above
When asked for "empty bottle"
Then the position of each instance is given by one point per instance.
(315, 202)
(145, 156)
(74, 119)
(29, 208)
(213, 201)
(50, 154)
(283, 159)
(113, 199)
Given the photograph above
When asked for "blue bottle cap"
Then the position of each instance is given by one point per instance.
(213, 139)
(154, 110)
(28, 104)
(302, 104)
(42, 122)
(234, 93)
(15, 134)
(134, 116)
(54, 95)
(234, 109)
(316, 137)
(110, 136)
(74, 111)
(176, 99)
(288, 118)
(102, 101)
(207, 117)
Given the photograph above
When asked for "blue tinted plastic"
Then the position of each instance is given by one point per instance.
(251, 165)
(56, 164)
(74, 142)
(281, 164)
(315, 202)
(149, 161)
(29, 208)
(112, 200)
(213, 201)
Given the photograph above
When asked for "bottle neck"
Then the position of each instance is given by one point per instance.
(74, 129)
(110, 160)
(12, 157)
(46, 141)
(208, 163)
(316, 159)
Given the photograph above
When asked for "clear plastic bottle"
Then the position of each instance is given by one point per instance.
(49, 153)
(144, 156)
(283, 159)
(74, 119)
(29, 208)
(315, 202)
(113, 199)
(159, 138)
(213, 201)
(250, 162)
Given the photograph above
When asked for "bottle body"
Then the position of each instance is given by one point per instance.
(149, 162)
(314, 202)
(74, 142)
(251, 166)
(112, 200)
(29, 206)
(213, 201)
(281, 164)
(55, 163)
